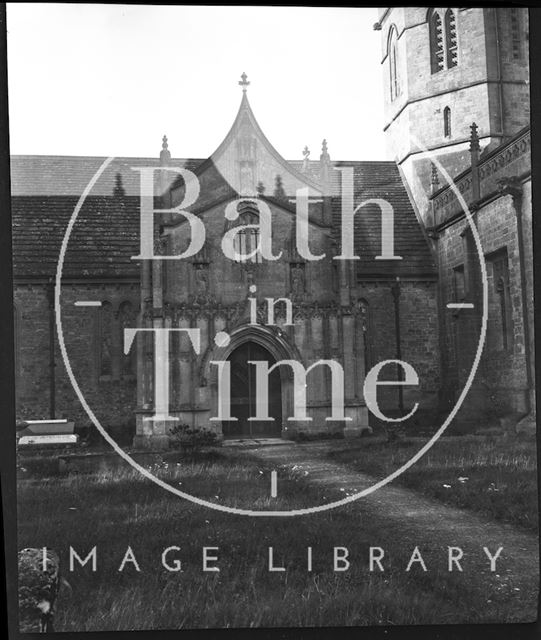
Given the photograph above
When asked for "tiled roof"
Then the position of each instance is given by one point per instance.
(382, 180)
(69, 175)
(104, 237)
(45, 191)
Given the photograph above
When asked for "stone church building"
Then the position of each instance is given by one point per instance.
(294, 306)
(457, 107)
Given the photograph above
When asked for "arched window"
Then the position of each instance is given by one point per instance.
(500, 323)
(459, 284)
(450, 38)
(126, 320)
(436, 41)
(447, 122)
(247, 239)
(394, 79)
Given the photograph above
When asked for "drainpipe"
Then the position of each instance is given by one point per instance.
(395, 291)
(52, 382)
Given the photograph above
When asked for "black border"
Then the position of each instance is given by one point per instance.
(7, 409)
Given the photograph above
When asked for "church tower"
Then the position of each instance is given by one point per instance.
(443, 69)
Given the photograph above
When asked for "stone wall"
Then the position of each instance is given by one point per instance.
(489, 86)
(108, 390)
(502, 384)
(318, 333)
(418, 339)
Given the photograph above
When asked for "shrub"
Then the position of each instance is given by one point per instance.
(306, 436)
(192, 438)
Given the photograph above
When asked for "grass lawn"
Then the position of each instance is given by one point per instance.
(111, 510)
(492, 475)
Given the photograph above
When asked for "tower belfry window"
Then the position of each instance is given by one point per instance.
(450, 38)
(443, 40)
(436, 41)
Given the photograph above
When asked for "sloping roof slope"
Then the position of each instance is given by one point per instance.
(45, 191)
(382, 180)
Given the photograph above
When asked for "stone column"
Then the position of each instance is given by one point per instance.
(319, 380)
(354, 406)
(527, 424)
(144, 364)
(151, 434)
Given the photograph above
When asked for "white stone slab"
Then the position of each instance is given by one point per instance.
(48, 439)
(55, 421)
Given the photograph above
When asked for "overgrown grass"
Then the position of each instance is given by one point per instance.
(112, 510)
(494, 475)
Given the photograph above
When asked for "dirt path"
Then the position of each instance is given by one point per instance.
(423, 522)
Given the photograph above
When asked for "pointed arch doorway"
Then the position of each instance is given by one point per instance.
(243, 396)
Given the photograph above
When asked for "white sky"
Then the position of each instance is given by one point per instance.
(111, 80)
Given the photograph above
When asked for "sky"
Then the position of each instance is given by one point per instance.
(113, 79)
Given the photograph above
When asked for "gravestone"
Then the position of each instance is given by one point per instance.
(44, 433)
(49, 439)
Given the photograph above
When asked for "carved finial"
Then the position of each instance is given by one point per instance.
(324, 153)
(306, 157)
(279, 191)
(325, 170)
(244, 82)
(474, 139)
(474, 159)
(119, 191)
(165, 154)
(434, 178)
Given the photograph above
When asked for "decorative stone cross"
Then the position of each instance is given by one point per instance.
(306, 154)
(244, 82)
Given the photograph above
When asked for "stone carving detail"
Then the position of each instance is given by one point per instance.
(300, 312)
(487, 168)
(317, 311)
(510, 185)
(160, 246)
(201, 280)
(201, 289)
(298, 279)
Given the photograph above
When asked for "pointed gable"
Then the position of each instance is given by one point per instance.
(246, 164)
